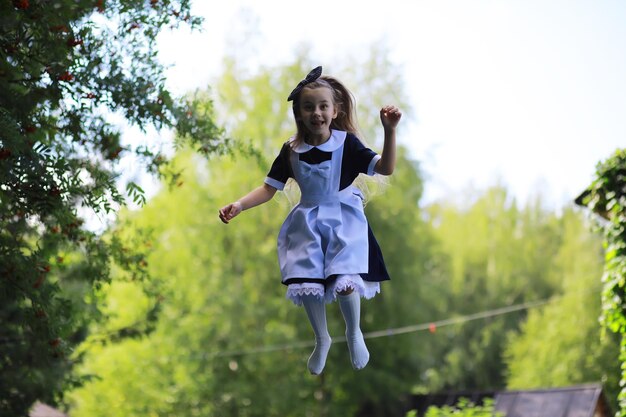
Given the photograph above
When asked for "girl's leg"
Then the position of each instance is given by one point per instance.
(316, 311)
(350, 305)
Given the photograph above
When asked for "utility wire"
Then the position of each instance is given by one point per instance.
(394, 331)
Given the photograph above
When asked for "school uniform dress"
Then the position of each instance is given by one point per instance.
(325, 244)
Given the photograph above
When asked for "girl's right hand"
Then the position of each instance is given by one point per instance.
(231, 210)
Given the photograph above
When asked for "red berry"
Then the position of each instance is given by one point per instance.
(432, 327)
(60, 28)
(21, 4)
(72, 42)
(39, 281)
(66, 76)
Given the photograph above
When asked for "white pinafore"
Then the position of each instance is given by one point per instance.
(326, 233)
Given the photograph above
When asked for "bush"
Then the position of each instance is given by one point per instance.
(464, 408)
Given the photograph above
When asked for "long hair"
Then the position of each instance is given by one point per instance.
(346, 120)
(342, 99)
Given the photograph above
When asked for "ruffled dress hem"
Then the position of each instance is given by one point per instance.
(328, 293)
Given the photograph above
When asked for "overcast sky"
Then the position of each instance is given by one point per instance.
(528, 93)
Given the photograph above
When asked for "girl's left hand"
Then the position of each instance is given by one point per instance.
(390, 116)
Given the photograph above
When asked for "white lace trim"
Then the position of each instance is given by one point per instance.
(295, 292)
(365, 289)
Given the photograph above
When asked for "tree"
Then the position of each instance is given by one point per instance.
(606, 196)
(500, 256)
(66, 68)
(561, 344)
(199, 347)
(218, 292)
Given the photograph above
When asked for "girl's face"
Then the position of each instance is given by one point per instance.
(317, 111)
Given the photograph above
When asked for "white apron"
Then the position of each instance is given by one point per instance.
(326, 233)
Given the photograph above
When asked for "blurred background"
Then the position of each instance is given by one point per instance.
(150, 306)
(526, 94)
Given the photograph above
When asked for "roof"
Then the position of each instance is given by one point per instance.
(577, 401)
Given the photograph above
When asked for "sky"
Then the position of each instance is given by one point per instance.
(529, 94)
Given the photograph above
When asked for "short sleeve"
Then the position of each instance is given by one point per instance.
(280, 171)
(362, 158)
(357, 159)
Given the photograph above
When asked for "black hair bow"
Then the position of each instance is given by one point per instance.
(311, 76)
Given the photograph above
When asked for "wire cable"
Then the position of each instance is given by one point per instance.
(393, 331)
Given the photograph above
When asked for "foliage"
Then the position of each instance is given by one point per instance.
(219, 287)
(214, 324)
(464, 408)
(576, 353)
(68, 68)
(498, 255)
(606, 196)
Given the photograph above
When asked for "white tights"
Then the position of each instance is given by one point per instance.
(313, 298)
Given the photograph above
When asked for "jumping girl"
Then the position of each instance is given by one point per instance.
(326, 249)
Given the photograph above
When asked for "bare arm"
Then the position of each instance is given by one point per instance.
(390, 117)
(256, 197)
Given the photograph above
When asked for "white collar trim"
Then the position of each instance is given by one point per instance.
(336, 139)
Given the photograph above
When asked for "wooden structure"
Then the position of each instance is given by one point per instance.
(577, 401)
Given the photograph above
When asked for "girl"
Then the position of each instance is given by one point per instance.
(326, 249)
